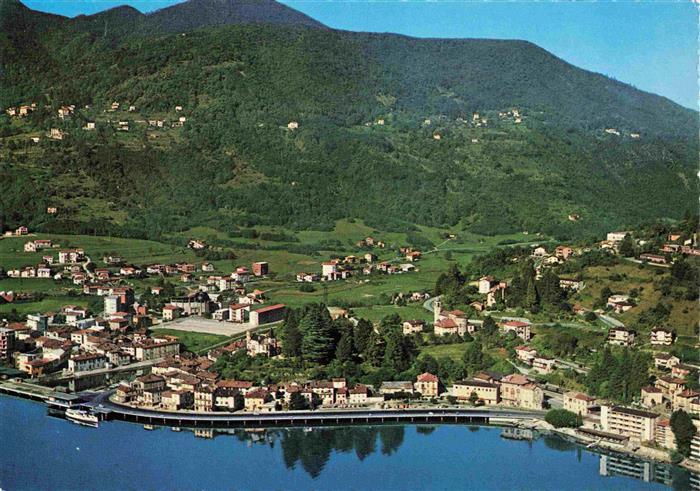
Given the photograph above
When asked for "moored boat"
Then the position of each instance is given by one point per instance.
(82, 417)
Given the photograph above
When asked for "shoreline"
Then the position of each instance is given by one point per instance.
(538, 425)
(108, 410)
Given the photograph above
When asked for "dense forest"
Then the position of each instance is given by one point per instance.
(386, 129)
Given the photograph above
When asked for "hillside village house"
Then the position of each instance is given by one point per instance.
(617, 236)
(485, 284)
(620, 303)
(413, 326)
(578, 403)
(520, 328)
(446, 327)
(661, 336)
(682, 370)
(175, 400)
(357, 396)
(621, 336)
(563, 252)
(670, 386)
(688, 400)
(238, 312)
(651, 396)
(570, 284)
(149, 350)
(525, 354)
(665, 360)
(261, 268)
(543, 364)
(37, 245)
(653, 258)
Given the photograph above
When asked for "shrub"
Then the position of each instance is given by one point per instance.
(561, 418)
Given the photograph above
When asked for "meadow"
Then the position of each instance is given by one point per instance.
(369, 295)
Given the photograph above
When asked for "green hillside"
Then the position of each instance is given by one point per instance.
(370, 109)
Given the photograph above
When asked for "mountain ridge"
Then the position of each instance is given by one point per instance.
(387, 131)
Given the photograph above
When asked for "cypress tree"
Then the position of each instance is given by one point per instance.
(317, 331)
(346, 347)
(363, 331)
(374, 352)
(684, 430)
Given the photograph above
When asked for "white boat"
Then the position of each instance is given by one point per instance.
(82, 417)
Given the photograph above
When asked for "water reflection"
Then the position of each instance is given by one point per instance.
(671, 476)
(312, 448)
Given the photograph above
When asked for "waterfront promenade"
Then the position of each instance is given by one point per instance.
(110, 410)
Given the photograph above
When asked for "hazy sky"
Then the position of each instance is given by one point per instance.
(651, 44)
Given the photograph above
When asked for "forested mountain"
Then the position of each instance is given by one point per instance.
(387, 129)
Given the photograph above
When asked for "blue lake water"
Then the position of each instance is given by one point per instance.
(41, 452)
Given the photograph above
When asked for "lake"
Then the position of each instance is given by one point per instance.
(42, 452)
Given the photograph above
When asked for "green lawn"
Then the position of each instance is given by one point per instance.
(370, 294)
(440, 351)
(193, 341)
(378, 312)
(34, 285)
(48, 304)
(132, 250)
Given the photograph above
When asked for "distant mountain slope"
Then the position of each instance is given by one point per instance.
(194, 14)
(190, 15)
(387, 130)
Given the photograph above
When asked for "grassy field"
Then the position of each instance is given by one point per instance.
(132, 250)
(369, 294)
(378, 312)
(625, 277)
(48, 304)
(441, 351)
(192, 341)
(35, 285)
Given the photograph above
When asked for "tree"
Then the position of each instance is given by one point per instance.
(561, 418)
(363, 331)
(627, 246)
(298, 402)
(549, 290)
(400, 351)
(316, 326)
(427, 363)
(489, 327)
(473, 397)
(374, 353)
(684, 430)
(345, 351)
(291, 338)
(475, 359)
(532, 298)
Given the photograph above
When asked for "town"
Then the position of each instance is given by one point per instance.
(129, 339)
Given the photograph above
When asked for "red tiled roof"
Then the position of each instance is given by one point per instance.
(516, 324)
(271, 307)
(427, 377)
